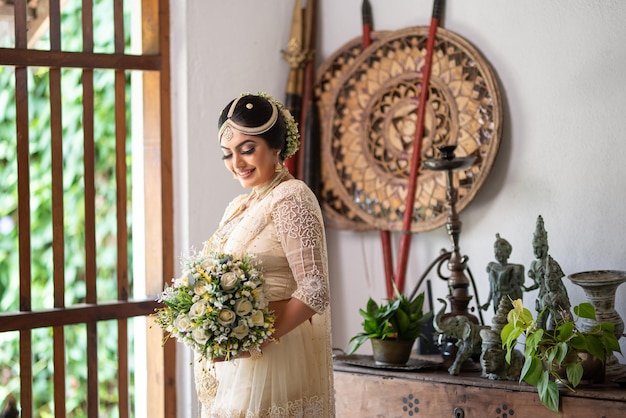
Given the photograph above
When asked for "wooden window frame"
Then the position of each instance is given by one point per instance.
(154, 62)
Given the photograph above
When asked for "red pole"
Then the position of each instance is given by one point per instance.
(366, 17)
(385, 235)
(385, 238)
(405, 239)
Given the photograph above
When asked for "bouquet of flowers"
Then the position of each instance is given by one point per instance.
(217, 306)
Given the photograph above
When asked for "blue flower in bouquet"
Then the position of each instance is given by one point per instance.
(217, 305)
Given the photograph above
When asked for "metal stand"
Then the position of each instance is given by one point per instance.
(458, 282)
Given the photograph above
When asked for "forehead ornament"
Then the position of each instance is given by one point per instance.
(227, 133)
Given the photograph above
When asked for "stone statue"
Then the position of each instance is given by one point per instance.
(505, 279)
(555, 302)
(493, 356)
(465, 332)
(547, 276)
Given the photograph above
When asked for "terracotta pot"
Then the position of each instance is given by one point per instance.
(391, 352)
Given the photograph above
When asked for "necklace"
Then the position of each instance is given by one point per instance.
(258, 193)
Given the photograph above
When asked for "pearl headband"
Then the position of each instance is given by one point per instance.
(257, 130)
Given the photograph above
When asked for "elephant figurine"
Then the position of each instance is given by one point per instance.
(465, 332)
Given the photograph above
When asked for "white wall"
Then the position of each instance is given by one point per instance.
(561, 69)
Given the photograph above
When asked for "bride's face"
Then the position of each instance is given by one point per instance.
(249, 158)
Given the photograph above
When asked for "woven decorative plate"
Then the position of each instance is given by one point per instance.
(336, 212)
(368, 107)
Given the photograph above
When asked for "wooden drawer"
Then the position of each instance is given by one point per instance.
(365, 393)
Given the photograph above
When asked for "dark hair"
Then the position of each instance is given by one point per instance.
(252, 111)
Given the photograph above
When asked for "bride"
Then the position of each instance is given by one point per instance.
(280, 223)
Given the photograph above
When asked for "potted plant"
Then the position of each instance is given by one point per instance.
(392, 327)
(559, 354)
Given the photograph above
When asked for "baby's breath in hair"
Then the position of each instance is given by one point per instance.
(293, 135)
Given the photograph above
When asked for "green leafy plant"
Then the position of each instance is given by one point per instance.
(548, 352)
(399, 318)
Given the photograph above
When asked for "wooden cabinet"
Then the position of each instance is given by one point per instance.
(362, 392)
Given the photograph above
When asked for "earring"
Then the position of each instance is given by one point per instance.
(278, 167)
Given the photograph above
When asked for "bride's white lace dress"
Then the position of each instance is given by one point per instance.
(294, 378)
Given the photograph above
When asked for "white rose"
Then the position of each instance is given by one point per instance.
(207, 264)
(197, 309)
(228, 280)
(199, 335)
(200, 289)
(182, 323)
(257, 319)
(241, 330)
(243, 307)
(226, 317)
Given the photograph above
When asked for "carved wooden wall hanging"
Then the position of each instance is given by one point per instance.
(368, 101)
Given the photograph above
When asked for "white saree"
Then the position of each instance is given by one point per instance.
(294, 378)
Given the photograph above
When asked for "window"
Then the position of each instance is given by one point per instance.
(85, 209)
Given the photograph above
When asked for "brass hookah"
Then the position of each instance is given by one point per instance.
(458, 281)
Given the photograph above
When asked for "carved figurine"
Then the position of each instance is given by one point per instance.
(492, 358)
(505, 279)
(555, 301)
(465, 332)
(548, 278)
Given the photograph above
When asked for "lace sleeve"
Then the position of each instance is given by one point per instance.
(298, 219)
